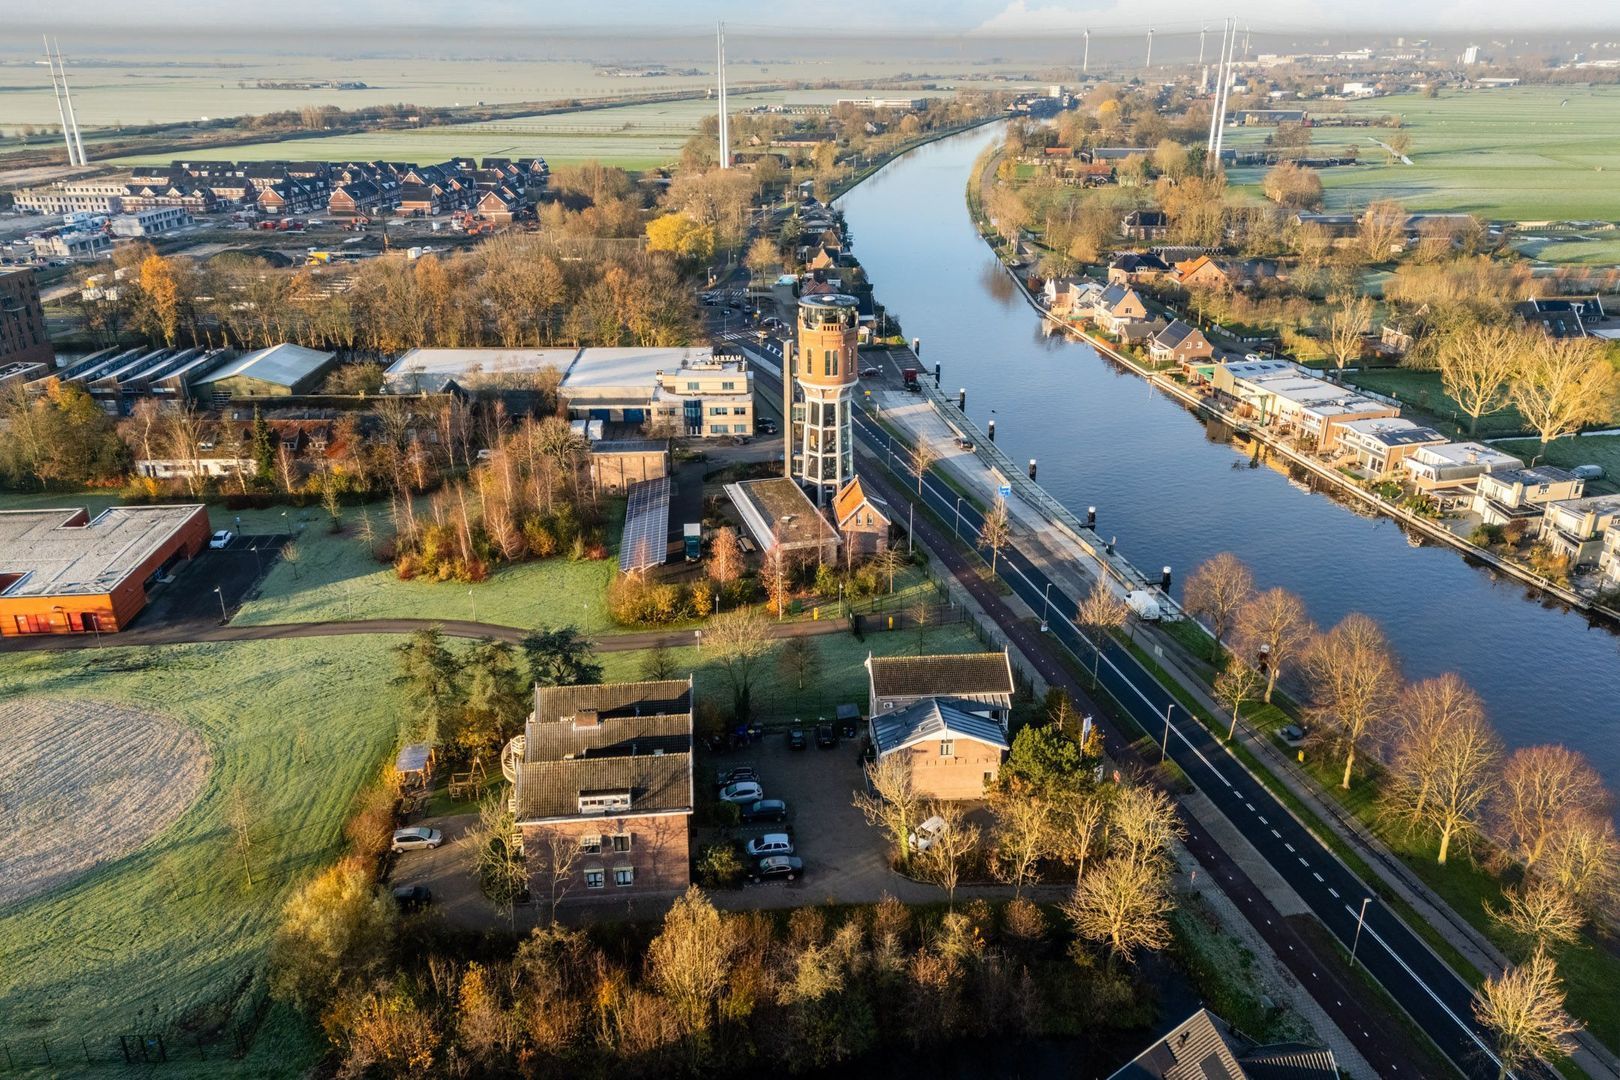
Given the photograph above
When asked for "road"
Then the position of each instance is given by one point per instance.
(1436, 999)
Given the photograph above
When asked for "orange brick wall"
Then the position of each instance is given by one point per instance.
(660, 854)
(960, 776)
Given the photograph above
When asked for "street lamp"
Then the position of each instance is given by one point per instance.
(1164, 748)
(1361, 918)
(1046, 607)
(957, 527)
(223, 616)
(473, 600)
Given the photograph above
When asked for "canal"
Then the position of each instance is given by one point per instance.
(1174, 493)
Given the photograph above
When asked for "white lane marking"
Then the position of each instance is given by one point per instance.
(1263, 820)
(1250, 805)
(1334, 892)
(1277, 834)
(1317, 876)
(1287, 845)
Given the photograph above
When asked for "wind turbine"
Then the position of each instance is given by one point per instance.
(1085, 64)
(724, 131)
(1150, 48)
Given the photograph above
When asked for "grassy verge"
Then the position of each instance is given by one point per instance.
(171, 939)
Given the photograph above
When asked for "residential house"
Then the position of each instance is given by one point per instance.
(1397, 336)
(1118, 305)
(1205, 1047)
(1609, 559)
(1561, 316)
(1145, 225)
(1576, 529)
(1293, 399)
(1379, 446)
(357, 198)
(1446, 470)
(861, 520)
(1201, 273)
(602, 790)
(1179, 343)
(983, 680)
(1069, 297)
(1135, 267)
(953, 747)
(1506, 495)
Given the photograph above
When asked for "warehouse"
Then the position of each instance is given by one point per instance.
(280, 371)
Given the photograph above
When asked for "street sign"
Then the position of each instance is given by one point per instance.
(1004, 490)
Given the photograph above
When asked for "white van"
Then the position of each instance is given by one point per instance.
(926, 833)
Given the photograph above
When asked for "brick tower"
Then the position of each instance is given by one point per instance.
(820, 452)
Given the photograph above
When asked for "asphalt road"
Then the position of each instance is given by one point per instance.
(1420, 982)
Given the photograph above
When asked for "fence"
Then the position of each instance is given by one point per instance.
(56, 1056)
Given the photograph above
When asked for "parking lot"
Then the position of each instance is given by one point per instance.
(190, 599)
(844, 858)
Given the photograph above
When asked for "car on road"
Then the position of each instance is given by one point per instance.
(743, 791)
(735, 305)
(826, 736)
(776, 843)
(736, 774)
(763, 810)
(413, 897)
(777, 868)
(924, 835)
(870, 372)
(796, 739)
(416, 838)
(765, 426)
(221, 539)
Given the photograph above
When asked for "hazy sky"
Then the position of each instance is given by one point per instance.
(984, 16)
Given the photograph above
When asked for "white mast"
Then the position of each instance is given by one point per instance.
(1085, 64)
(61, 110)
(1218, 105)
(68, 95)
(1149, 63)
(1203, 31)
(1226, 90)
(725, 121)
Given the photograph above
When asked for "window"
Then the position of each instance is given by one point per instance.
(692, 387)
(624, 875)
(739, 410)
(947, 748)
(600, 802)
(593, 879)
(728, 384)
(621, 842)
(717, 410)
(591, 845)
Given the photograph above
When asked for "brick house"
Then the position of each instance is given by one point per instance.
(984, 680)
(860, 519)
(954, 747)
(1202, 272)
(602, 788)
(1136, 267)
(1179, 343)
(1117, 306)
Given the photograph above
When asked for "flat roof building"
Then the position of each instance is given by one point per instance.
(1450, 465)
(23, 339)
(280, 371)
(778, 512)
(63, 572)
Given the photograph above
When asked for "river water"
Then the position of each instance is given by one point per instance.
(1174, 493)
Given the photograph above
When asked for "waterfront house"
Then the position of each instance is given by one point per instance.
(1118, 305)
(1292, 399)
(1447, 469)
(1576, 529)
(1201, 273)
(1136, 267)
(1379, 445)
(983, 680)
(1069, 297)
(1523, 494)
(1609, 559)
(953, 747)
(1179, 343)
(602, 785)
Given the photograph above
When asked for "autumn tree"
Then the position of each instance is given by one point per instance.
(680, 236)
(738, 641)
(1271, 632)
(1292, 186)
(1022, 834)
(1238, 682)
(996, 531)
(337, 926)
(1476, 364)
(1122, 905)
(1216, 589)
(891, 802)
(725, 556)
(1541, 788)
(1145, 825)
(1348, 323)
(1524, 1008)
(762, 258)
(1562, 384)
(691, 958)
(1353, 680)
(499, 856)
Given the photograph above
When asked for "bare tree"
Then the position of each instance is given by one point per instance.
(1562, 384)
(923, 455)
(1464, 775)
(1080, 820)
(503, 873)
(888, 562)
(1383, 224)
(1524, 1007)
(1540, 914)
(1145, 825)
(892, 803)
(1350, 320)
(1122, 905)
(1425, 716)
(739, 640)
(1237, 683)
(556, 855)
(1543, 786)
(1216, 589)
(800, 658)
(1272, 631)
(292, 556)
(996, 531)
(692, 958)
(1101, 612)
(1476, 367)
(951, 849)
(725, 556)
(239, 818)
(1021, 835)
(1353, 681)
(1584, 860)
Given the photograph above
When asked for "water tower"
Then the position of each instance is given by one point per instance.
(819, 439)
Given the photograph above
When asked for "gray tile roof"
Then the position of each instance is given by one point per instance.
(963, 675)
(656, 783)
(614, 699)
(931, 718)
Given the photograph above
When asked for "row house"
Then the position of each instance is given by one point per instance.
(186, 196)
(359, 198)
(1523, 494)
(1578, 529)
(292, 196)
(1609, 559)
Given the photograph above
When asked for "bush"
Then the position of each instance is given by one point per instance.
(1486, 535)
(719, 866)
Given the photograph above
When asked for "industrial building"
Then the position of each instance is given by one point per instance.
(22, 322)
(153, 222)
(280, 371)
(62, 572)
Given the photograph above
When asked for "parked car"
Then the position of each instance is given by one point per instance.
(796, 739)
(743, 791)
(777, 868)
(924, 835)
(869, 372)
(413, 897)
(826, 736)
(765, 426)
(735, 774)
(221, 539)
(849, 720)
(763, 810)
(776, 843)
(417, 837)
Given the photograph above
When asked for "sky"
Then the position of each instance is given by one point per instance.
(986, 17)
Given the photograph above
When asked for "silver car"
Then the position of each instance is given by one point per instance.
(416, 838)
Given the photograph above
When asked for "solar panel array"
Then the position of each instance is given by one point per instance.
(646, 526)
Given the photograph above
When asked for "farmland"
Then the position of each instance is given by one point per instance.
(1528, 153)
(170, 937)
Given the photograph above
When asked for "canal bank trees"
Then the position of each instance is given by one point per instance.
(1272, 630)
(1217, 589)
(1354, 680)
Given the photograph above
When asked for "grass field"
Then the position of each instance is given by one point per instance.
(1571, 249)
(1601, 450)
(1423, 392)
(170, 938)
(1523, 153)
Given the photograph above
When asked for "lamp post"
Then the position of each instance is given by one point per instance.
(957, 527)
(1046, 607)
(223, 616)
(473, 600)
(1164, 748)
(1361, 918)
